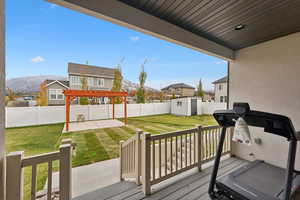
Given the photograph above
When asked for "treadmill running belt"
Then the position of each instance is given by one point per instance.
(257, 180)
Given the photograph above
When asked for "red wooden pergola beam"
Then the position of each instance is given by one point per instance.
(71, 94)
(94, 93)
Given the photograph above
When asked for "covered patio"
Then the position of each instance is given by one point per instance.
(259, 40)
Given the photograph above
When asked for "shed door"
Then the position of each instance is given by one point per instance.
(193, 106)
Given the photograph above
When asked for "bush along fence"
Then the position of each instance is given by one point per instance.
(151, 159)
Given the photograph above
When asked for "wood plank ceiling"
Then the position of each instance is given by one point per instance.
(216, 20)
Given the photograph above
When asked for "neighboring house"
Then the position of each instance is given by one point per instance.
(98, 78)
(179, 90)
(221, 89)
(53, 90)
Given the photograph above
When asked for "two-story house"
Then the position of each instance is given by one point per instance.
(220, 88)
(97, 78)
(179, 90)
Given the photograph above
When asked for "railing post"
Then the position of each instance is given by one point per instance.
(65, 172)
(121, 160)
(14, 174)
(199, 145)
(138, 156)
(146, 157)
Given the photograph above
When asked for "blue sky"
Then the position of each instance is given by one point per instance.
(42, 38)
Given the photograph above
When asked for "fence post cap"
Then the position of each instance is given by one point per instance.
(139, 131)
(15, 153)
(121, 141)
(65, 146)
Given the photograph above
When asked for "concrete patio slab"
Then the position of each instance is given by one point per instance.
(91, 177)
(88, 125)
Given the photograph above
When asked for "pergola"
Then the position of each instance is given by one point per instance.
(71, 94)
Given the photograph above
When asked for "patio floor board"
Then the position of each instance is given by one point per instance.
(193, 186)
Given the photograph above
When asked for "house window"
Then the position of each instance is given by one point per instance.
(75, 80)
(221, 99)
(225, 99)
(100, 82)
(56, 94)
(220, 87)
(90, 81)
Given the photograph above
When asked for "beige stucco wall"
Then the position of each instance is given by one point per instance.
(268, 77)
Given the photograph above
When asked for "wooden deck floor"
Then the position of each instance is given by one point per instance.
(191, 187)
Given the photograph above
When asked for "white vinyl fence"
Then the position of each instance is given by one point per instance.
(29, 116)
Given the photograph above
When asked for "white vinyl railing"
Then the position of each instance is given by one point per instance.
(16, 161)
(151, 159)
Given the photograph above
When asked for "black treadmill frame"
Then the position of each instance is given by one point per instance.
(291, 136)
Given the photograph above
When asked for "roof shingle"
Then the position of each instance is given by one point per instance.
(178, 85)
(89, 70)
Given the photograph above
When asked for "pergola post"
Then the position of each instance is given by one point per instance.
(125, 110)
(67, 112)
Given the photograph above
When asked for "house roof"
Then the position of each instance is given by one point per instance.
(90, 70)
(64, 83)
(178, 85)
(221, 80)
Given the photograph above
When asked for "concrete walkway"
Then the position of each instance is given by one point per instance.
(91, 177)
(97, 124)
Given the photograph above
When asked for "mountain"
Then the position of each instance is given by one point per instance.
(31, 84)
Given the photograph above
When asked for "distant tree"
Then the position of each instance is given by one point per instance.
(42, 97)
(141, 93)
(173, 96)
(117, 84)
(84, 86)
(161, 96)
(200, 91)
(11, 94)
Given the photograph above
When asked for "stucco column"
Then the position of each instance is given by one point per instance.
(2, 99)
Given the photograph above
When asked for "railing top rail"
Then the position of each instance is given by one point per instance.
(173, 134)
(210, 127)
(42, 158)
(130, 140)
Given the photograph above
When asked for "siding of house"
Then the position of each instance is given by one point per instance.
(222, 92)
(183, 92)
(108, 83)
(267, 76)
(55, 102)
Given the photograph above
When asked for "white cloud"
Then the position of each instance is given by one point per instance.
(37, 59)
(220, 62)
(134, 38)
(52, 6)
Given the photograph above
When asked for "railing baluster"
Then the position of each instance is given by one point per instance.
(49, 190)
(206, 144)
(159, 160)
(153, 159)
(33, 182)
(195, 147)
(186, 153)
(166, 155)
(171, 154)
(190, 137)
(176, 156)
(181, 153)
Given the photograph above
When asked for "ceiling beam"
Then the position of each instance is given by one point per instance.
(124, 15)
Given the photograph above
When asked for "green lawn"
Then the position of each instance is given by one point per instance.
(92, 145)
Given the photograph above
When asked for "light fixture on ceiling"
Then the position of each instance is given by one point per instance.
(239, 27)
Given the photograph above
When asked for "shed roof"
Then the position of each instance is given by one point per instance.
(90, 70)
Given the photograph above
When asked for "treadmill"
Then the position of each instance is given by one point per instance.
(257, 180)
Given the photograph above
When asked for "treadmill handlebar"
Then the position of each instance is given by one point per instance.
(272, 123)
